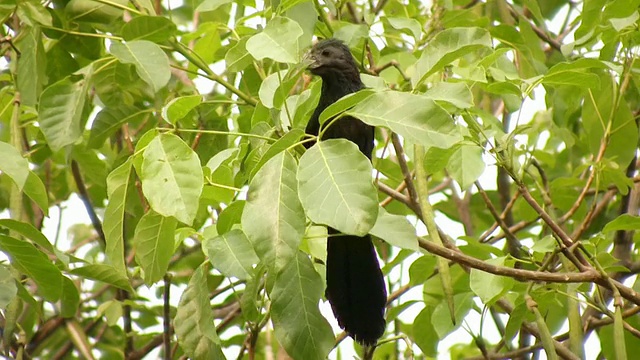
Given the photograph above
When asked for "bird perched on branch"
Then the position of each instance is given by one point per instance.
(355, 285)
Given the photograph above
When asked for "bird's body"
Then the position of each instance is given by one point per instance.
(355, 285)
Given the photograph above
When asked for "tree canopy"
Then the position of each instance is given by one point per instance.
(180, 127)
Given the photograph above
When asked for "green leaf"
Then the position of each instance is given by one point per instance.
(415, 117)
(210, 5)
(29, 231)
(441, 317)
(34, 264)
(172, 178)
(286, 141)
(156, 29)
(335, 187)
(621, 23)
(488, 286)
(574, 78)
(344, 103)
(193, 323)
(105, 273)
(268, 88)
(456, 93)
(32, 186)
(33, 12)
(599, 114)
(70, 299)
(8, 288)
(179, 107)
(231, 253)
(297, 322)
(94, 11)
(406, 23)
(396, 230)
(447, 46)
(154, 245)
(466, 164)
(113, 225)
(151, 63)
(238, 58)
(273, 218)
(61, 112)
(230, 216)
(109, 120)
(278, 41)
(624, 222)
(424, 333)
(32, 64)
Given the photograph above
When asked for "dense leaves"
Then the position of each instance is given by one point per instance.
(157, 200)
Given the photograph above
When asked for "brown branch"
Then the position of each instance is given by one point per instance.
(589, 275)
(512, 241)
(84, 196)
(585, 189)
(408, 178)
(577, 259)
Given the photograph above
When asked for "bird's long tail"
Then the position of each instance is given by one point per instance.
(355, 286)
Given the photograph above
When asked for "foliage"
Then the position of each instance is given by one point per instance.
(181, 129)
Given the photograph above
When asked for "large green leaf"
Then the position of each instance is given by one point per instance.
(156, 29)
(172, 178)
(109, 120)
(466, 164)
(489, 287)
(105, 273)
(396, 230)
(456, 93)
(152, 64)
(14, 165)
(179, 107)
(238, 58)
(600, 116)
(34, 264)
(61, 112)
(231, 254)
(154, 243)
(278, 41)
(113, 223)
(194, 320)
(335, 187)
(297, 322)
(273, 217)
(447, 46)
(8, 288)
(415, 117)
(31, 76)
(29, 231)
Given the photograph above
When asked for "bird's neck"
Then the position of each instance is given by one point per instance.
(335, 86)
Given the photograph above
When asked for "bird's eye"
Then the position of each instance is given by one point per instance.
(325, 52)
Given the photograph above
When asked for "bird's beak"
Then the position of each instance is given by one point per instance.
(310, 61)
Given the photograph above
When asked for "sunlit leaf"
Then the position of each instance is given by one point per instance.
(154, 243)
(61, 112)
(415, 117)
(152, 64)
(231, 253)
(297, 322)
(273, 217)
(194, 320)
(335, 187)
(172, 177)
(34, 264)
(278, 41)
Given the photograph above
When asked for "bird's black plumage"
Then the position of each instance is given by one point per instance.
(355, 285)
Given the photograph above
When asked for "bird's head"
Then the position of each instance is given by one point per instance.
(331, 57)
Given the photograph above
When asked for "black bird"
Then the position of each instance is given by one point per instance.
(355, 285)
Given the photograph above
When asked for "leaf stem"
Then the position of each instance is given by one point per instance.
(197, 61)
(428, 217)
